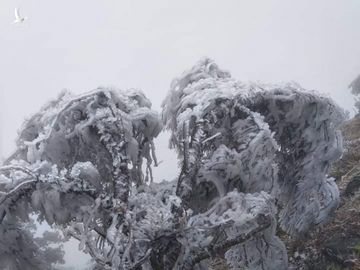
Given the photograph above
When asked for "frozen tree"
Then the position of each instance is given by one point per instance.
(249, 153)
(355, 90)
(76, 163)
(249, 138)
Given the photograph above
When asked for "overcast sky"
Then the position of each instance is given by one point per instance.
(83, 44)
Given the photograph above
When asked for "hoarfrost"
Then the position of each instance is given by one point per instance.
(84, 163)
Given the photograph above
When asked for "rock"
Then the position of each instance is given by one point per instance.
(353, 186)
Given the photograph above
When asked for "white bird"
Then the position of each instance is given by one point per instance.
(18, 18)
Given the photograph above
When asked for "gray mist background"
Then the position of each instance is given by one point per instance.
(83, 44)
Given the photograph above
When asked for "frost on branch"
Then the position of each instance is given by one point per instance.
(240, 227)
(254, 137)
(305, 128)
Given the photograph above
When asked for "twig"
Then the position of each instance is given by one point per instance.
(264, 223)
(212, 137)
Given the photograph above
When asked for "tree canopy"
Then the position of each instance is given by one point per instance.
(251, 155)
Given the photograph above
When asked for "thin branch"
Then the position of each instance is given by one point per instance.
(141, 260)
(19, 168)
(212, 137)
(20, 185)
(98, 258)
(264, 223)
(15, 189)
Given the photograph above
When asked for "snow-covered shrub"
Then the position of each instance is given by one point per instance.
(355, 90)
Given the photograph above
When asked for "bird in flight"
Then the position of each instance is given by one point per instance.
(18, 18)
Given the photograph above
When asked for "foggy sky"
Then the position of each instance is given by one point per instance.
(80, 45)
